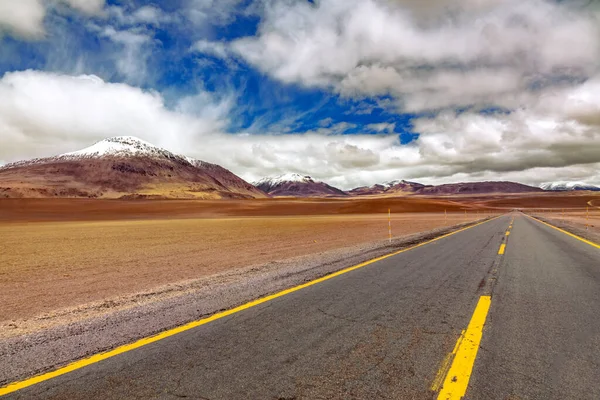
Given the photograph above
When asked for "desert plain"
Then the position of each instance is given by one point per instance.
(60, 253)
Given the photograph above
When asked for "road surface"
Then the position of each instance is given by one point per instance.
(410, 326)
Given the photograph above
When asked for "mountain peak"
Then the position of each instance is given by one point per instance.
(288, 177)
(123, 166)
(568, 186)
(119, 146)
(292, 184)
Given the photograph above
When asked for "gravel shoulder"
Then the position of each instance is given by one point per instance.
(575, 225)
(39, 344)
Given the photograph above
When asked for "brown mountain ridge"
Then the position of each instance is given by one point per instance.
(122, 167)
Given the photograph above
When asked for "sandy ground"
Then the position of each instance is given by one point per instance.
(48, 266)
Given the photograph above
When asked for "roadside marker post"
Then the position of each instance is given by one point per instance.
(390, 224)
(587, 216)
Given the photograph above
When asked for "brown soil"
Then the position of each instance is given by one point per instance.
(31, 210)
(58, 253)
(51, 265)
(539, 201)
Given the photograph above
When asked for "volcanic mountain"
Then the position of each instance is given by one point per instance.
(297, 185)
(392, 187)
(405, 187)
(122, 167)
(479, 188)
(568, 186)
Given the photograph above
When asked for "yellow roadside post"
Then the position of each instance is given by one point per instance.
(390, 224)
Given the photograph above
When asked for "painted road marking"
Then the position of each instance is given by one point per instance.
(441, 374)
(596, 245)
(502, 248)
(457, 380)
(13, 387)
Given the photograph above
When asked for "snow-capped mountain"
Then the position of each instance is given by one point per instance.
(296, 185)
(391, 187)
(405, 187)
(120, 146)
(568, 186)
(122, 166)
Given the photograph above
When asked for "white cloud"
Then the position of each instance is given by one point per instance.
(559, 139)
(217, 49)
(214, 12)
(135, 49)
(22, 18)
(43, 113)
(148, 14)
(428, 55)
(382, 127)
(25, 18)
(88, 7)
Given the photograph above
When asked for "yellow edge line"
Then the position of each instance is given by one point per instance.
(567, 233)
(13, 387)
(502, 248)
(457, 380)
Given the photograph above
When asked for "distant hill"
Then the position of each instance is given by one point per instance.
(297, 185)
(479, 188)
(406, 187)
(568, 186)
(397, 186)
(122, 167)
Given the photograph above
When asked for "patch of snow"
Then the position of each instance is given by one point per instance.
(289, 177)
(389, 184)
(568, 185)
(118, 146)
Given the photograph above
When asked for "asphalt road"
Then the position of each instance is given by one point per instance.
(386, 330)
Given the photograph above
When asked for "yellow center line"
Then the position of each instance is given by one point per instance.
(502, 248)
(457, 380)
(13, 387)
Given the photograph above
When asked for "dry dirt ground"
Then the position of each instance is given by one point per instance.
(37, 210)
(51, 265)
(58, 253)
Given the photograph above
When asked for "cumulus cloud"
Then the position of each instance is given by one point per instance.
(428, 55)
(43, 114)
(25, 18)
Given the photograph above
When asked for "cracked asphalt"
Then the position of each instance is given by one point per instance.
(382, 331)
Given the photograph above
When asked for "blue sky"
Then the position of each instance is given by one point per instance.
(351, 92)
(262, 103)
